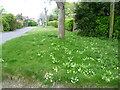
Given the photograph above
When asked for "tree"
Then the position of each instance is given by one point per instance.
(42, 19)
(52, 17)
(111, 19)
(61, 19)
(19, 16)
(45, 9)
(55, 12)
(69, 9)
(1, 11)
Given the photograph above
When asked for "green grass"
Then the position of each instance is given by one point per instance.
(73, 61)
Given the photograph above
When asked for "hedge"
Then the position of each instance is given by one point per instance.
(53, 23)
(19, 24)
(10, 19)
(6, 26)
(102, 27)
(31, 23)
(68, 24)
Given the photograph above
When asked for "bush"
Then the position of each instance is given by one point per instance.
(102, 27)
(92, 19)
(69, 24)
(10, 19)
(6, 26)
(31, 23)
(53, 23)
(19, 24)
(116, 32)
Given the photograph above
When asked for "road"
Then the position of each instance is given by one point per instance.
(13, 34)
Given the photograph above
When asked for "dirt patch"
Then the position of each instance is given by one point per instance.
(20, 84)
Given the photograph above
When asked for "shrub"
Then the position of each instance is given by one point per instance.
(92, 19)
(10, 19)
(69, 24)
(102, 27)
(6, 26)
(53, 23)
(31, 23)
(116, 32)
(19, 24)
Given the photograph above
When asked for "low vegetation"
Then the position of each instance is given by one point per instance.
(74, 61)
(68, 24)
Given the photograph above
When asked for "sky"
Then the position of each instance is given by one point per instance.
(31, 8)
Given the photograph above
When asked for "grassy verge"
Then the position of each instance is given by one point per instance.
(73, 61)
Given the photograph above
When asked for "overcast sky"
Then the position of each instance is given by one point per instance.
(31, 8)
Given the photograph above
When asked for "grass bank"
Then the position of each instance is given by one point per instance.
(73, 61)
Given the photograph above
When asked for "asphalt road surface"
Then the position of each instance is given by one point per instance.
(13, 34)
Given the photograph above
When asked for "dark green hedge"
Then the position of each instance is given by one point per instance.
(101, 27)
(92, 19)
(116, 32)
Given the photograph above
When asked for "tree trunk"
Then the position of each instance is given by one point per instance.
(61, 20)
(1, 26)
(45, 16)
(111, 19)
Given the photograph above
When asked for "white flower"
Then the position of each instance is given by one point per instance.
(39, 54)
(79, 69)
(55, 69)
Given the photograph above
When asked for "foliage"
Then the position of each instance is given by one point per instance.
(93, 18)
(10, 19)
(31, 23)
(117, 8)
(53, 23)
(19, 24)
(10, 23)
(69, 9)
(2, 9)
(6, 26)
(41, 56)
(69, 24)
(116, 32)
(55, 12)
(102, 27)
(19, 17)
(52, 17)
(85, 19)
